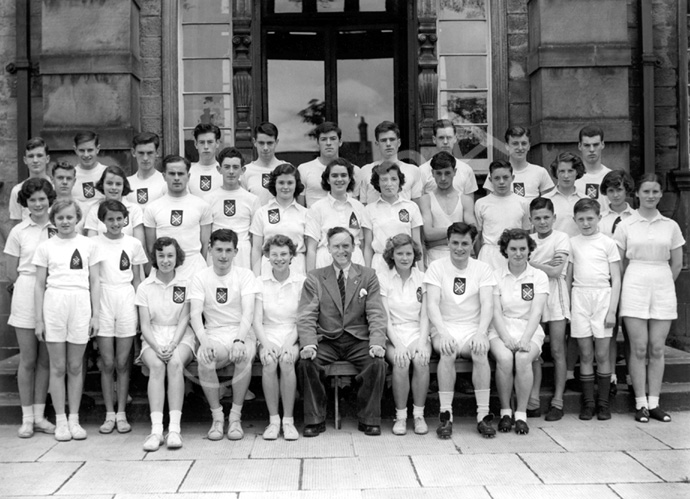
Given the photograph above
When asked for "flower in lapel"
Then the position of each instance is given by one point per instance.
(362, 294)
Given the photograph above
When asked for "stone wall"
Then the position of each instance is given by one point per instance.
(152, 107)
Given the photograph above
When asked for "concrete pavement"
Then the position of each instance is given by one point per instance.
(566, 459)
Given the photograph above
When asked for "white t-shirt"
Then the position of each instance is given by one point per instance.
(256, 177)
(222, 295)
(404, 297)
(388, 220)
(563, 209)
(233, 210)
(367, 194)
(118, 256)
(280, 299)
(529, 183)
(459, 288)
(67, 261)
(310, 173)
(147, 190)
(495, 214)
(591, 256)
(464, 180)
(328, 212)
(23, 240)
(134, 219)
(163, 301)
(84, 189)
(648, 241)
(204, 179)
(517, 293)
(555, 243)
(589, 185)
(272, 219)
(180, 218)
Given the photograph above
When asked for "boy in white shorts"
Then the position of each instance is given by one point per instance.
(120, 271)
(595, 275)
(224, 295)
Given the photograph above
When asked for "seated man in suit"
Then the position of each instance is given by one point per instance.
(341, 317)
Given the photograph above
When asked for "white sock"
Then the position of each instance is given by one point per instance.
(61, 420)
(273, 419)
(417, 412)
(482, 397)
(174, 424)
(73, 420)
(446, 401)
(653, 402)
(641, 402)
(401, 414)
(217, 413)
(236, 412)
(27, 414)
(289, 420)
(520, 416)
(121, 415)
(39, 411)
(157, 423)
(507, 412)
(109, 416)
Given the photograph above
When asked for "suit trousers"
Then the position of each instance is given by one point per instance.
(372, 377)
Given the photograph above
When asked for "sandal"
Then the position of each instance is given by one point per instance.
(642, 415)
(660, 415)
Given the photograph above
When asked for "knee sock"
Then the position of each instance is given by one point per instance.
(236, 412)
(587, 381)
(39, 411)
(604, 386)
(653, 402)
(534, 403)
(109, 416)
(217, 413)
(174, 424)
(520, 416)
(401, 413)
(641, 402)
(445, 399)
(27, 414)
(73, 420)
(157, 423)
(417, 412)
(557, 403)
(482, 397)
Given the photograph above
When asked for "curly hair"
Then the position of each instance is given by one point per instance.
(279, 240)
(285, 169)
(327, 172)
(384, 168)
(396, 242)
(163, 242)
(515, 235)
(114, 170)
(568, 157)
(32, 185)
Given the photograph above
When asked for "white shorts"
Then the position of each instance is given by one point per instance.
(298, 265)
(589, 309)
(225, 336)
(324, 258)
(379, 264)
(67, 315)
(22, 311)
(192, 265)
(165, 334)
(557, 306)
(461, 333)
(408, 332)
(516, 328)
(118, 314)
(648, 292)
(492, 255)
(277, 333)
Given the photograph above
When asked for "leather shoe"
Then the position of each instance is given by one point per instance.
(313, 430)
(371, 430)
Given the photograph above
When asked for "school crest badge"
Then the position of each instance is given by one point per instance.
(354, 223)
(265, 178)
(519, 189)
(176, 217)
(592, 191)
(88, 189)
(143, 195)
(459, 285)
(404, 216)
(52, 232)
(125, 263)
(179, 294)
(222, 295)
(205, 183)
(528, 291)
(419, 294)
(229, 207)
(274, 216)
(76, 262)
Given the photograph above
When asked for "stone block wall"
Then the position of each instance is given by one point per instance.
(151, 99)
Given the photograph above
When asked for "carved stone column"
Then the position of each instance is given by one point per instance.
(427, 80)
(242, 79)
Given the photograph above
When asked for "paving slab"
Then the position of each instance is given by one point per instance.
(506, 443)
(130, 477)
(669, 433)
(15, 449)
(470, 492)
(358, 473)
(405, 445)
(603, 436)
(34, 478)
(647, 490)
(551, 491)
(301, 494)
(99, 496)
(332, 443)
(671, 465)
(237, 475)
(97, 447)
(478, 469)
(587, 467)
(195, 446)
(222, 495)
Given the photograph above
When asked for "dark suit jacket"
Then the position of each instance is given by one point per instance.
(321, 314)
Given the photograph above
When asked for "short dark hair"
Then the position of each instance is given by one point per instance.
(515, 235)
(382, 169)
(163, 242)
(591, 131)
(111, 205)
(568, 157)
(279, 240)
(587, 204)
(32, 185)
(396, 242)
(63, 165)
(202, 128)
(327, 172)
(386, 126)
(230, 152)
(647, 177)
(267, 128)
(146, 138)
(541, 203)
(516, 131)
(284, 169)
(61, 204)
(174, 158)
(334, 231)
(36, 142)
(462, 229)
(327, 127)
(441, 124)
(224, 236)
(618, 179)
(442, 160)
(86, 136)
(114, 170)
(498, 164)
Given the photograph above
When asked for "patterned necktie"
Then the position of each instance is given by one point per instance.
(341, 287)
(615, 224)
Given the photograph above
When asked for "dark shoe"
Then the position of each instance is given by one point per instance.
(642, 415)
(505, 424)
(573, 385)
(371, 430)
(613, 390)
(659, 415)
(484, 427)
(445, 426)
(587, 412)
(554, 414)
(521, 427)
(604, 413)
(534, 413)
(313, 430)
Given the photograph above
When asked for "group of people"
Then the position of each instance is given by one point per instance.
(225, 262)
